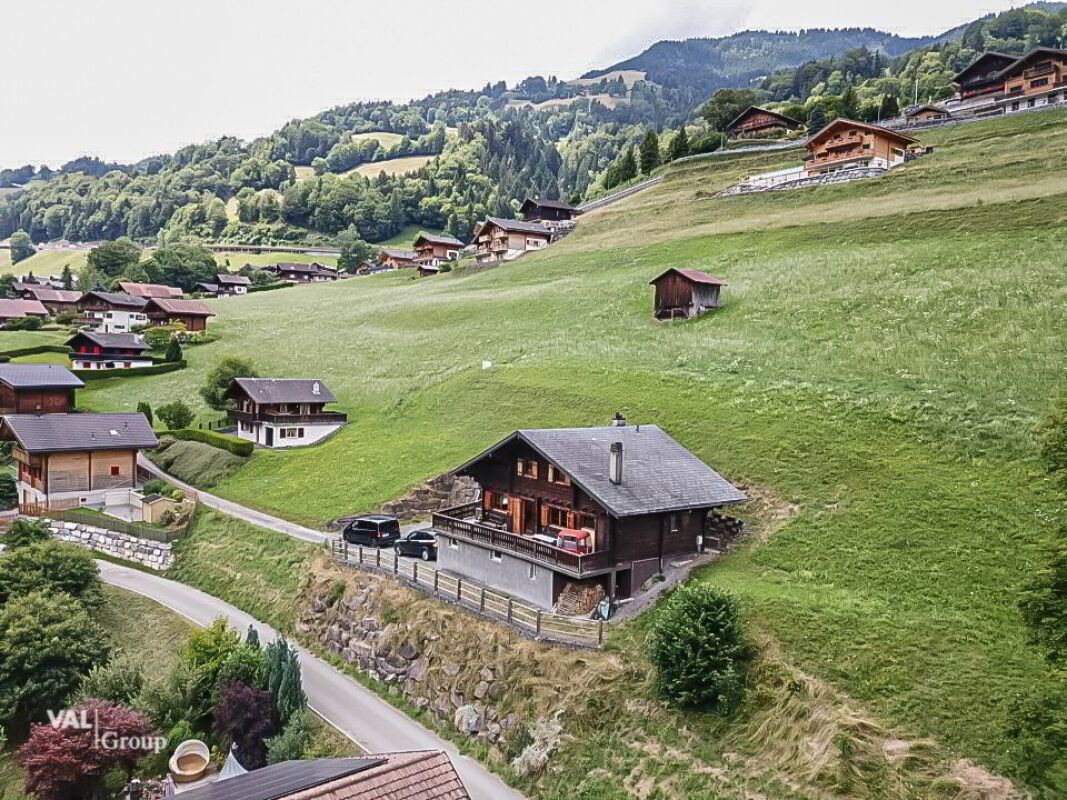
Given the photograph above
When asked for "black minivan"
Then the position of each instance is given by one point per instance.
(374, 530)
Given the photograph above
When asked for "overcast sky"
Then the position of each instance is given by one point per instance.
(123, 79)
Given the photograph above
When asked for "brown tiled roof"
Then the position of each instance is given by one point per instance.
(417, 775)
(187, 308)
(399, 255)
(149, 289)
(517, 226)
(695, 275)
(22, 308)
(433, 238)
(842, 122)
(46, 295)
(760, 110)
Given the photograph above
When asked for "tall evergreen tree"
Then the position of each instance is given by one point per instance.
(650, 155)
(679, 146)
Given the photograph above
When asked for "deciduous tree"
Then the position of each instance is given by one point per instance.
(220, 378)
(21, 247)
(49, 566)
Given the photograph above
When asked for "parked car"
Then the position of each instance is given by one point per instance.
(375, 530)
(420, 543)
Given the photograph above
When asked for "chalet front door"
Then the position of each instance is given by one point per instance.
(269, 434)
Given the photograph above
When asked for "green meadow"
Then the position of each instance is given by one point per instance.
(885, 351)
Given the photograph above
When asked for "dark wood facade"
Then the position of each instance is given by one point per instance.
(35, 400)
(758, 122)
(548, 211)
(686, 293)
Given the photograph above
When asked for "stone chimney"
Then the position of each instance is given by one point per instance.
(615, 463)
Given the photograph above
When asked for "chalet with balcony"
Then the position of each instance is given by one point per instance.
(284, 412)
(397, 259)
(37, 389)
(70, 460)
(1038, 78)
(498, 240)
(57, 301)
(983, 75)
(608, 506)
(845, 143)
(93, 350)
(150, 289)
(686, 293)
(302, 273)
(760, 123)
(111, 312)
(553, 214)
(434, 250)
(193, 314)
(17, 309)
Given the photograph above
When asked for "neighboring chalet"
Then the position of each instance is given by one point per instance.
(507, 239)
(112, 312)
(284, 412)
(37, 389)
(434, 250)
(57, 301)
(686, 293)
(193, 314)
(998, 83)
(761, 123)
(17, 309)
(150, 289)
(70, 460)
(427, 270)
(845, 143)
(397, 259)
(926, 113)
(230, 284)
(303, 273)
(553, 214)
(608, 506)
(94, 350)
(410, 775)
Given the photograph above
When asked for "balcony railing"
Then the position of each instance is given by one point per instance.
(465, 522)
(279, 418)
(1039, 70)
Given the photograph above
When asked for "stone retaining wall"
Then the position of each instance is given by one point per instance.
(154, 555)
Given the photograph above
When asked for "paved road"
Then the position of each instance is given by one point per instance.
(355, 711)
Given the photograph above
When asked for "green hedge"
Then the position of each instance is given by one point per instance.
(36, 350)
(223, 441)
(270, 287)
(133, 372)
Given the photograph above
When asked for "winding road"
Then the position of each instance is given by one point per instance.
(354, 710)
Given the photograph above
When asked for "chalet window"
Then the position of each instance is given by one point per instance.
(532, 571)
(674, 523)
(494, 501)
(114, 470)
(527, 468)
(1037, 83)
(453, 544)
(496, 555)
(556, 475)
(587, 521)
(558, 517)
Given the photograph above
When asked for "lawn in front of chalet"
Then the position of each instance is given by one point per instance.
(885, 350)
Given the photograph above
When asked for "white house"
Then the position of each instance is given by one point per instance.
(284, 412)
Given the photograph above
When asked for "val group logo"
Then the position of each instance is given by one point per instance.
(81, 720)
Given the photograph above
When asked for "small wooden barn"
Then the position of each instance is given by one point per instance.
(686, 293)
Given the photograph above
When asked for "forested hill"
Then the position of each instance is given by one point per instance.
(700, 66)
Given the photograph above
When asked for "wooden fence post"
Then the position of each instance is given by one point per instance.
(360, 554)
(436, 582)
(459, 590)
(481, 604)
(600, 632)
(509, 610)
(415, 572)
(378, 557)
(396, 564)
(538, 622)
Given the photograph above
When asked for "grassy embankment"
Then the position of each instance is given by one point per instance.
(885, 351)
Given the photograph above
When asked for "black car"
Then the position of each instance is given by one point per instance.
(420, 543)
(375, 530)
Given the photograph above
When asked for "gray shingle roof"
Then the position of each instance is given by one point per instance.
(54, 433)
(39, 376)
(112, 341)
(559, 205)
(658, 474)
(518, 226)
(267, 391)
(118, 299)
(442, 238)
(234, 280)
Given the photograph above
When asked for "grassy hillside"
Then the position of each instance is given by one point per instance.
(236, 260)
(885, 351)
(392, 166)
(48, 262)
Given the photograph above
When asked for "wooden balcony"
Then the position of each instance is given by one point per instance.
(838, 142)
(279, 418)
(1041, 69)
(465, 523)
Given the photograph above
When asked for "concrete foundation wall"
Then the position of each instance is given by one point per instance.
(514, 576)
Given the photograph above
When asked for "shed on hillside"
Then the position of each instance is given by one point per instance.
(686, 293)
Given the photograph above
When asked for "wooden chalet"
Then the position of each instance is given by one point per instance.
(584, 506)
(284, 412)
(926, 113)
(550, 213)
(498, 239)
(70, 460)
(686, 293)
(1040, 74)
(303, 273)
(17, 309)
(230, 284)
(755, 122)
(150, 289)
(193, 314)
(982, 76)
(112, 312)
(96, 350)
(57, 301)
(848, 143)
(397, 259)
(37, 389)
(434, 250)
(427, 270)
